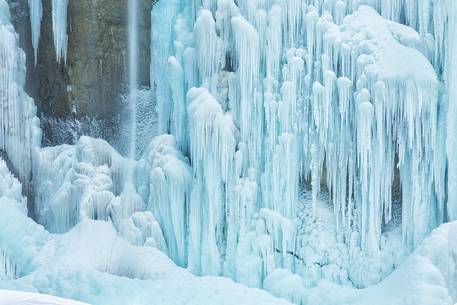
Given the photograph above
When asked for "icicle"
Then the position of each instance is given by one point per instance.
(59, 28)
(36, 14)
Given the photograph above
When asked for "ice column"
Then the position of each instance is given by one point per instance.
(212, 136)
(169, 181)
(163, 18)
(451, 81)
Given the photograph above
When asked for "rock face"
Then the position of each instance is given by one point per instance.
(94, 79)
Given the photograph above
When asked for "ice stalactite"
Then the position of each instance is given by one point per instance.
(59, 28)
(378, 80)
(20, 134)
(36, 14)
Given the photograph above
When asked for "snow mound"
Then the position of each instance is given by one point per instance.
(92, 263)
(24, 298)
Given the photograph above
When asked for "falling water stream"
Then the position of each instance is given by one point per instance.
(133, 79)
(133, 71)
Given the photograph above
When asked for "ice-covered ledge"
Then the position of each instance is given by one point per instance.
(26, 298)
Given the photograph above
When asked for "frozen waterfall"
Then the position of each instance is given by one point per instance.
(306, 148)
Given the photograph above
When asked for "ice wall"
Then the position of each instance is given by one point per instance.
(343, 95)
(451, 81)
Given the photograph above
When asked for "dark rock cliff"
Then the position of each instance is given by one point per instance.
(88, 89)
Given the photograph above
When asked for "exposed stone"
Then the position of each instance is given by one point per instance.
(95, 77)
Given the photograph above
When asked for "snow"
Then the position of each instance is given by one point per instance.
(24, 298)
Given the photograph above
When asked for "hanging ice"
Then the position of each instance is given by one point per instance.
(343, 104)
(59, 28)
(36, 14)
(21, 135)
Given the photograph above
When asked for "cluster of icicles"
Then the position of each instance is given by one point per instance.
(269, 95)
(59, 26)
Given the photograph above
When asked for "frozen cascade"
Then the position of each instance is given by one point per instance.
(312, 107)
(36, 14)
(21, 135)
(59, 28)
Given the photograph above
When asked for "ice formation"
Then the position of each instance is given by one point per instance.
(339, 96)
(264, 106)
(21, 134)
(59, 28)
(36, 14)
(451, 81)
(93, 255)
